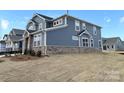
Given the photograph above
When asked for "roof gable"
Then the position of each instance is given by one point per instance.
(112, 40)
(78, 19)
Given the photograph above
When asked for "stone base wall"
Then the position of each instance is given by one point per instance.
(69, 50)
(42, 49)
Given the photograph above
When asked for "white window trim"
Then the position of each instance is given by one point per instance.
(101, 43)
(88, 41)
(60, 21)
(91, 43)
(38, 39)
(40, 26)
(83, 26)
(94, 30)
(77, 23)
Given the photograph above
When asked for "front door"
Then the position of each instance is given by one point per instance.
(85, 42)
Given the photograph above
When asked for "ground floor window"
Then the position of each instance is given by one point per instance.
(85, 42)
(37, 40)
(92, 43)
(34, 43)
(112, 46)
(100, 44)
(104, 47)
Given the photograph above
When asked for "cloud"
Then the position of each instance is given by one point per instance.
(107, 19)
(4, 24)
(122, 19)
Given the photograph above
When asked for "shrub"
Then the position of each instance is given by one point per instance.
(39, 53)
(32, 53)
(25, 52)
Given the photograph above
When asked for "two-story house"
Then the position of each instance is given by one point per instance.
(43, 32)
(14, 40)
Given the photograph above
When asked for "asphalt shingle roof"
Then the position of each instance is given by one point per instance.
(112, 40)
(15, 38)
(18, 31)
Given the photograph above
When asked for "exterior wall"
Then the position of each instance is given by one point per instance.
(64, 36)
(2, 46)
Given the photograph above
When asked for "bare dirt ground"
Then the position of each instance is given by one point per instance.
(64, 68)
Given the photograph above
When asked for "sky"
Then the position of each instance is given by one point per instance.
(111, 21)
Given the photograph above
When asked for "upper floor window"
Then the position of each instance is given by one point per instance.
(94, 30)
(31, 26)
(58, 22)
(83, 26)
(40, 26)
(77, 25)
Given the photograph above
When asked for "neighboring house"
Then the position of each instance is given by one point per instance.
(43, 31)
(2, 46)
(14, 40)
(113, 44)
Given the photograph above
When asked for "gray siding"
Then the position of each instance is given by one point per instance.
(64, 36)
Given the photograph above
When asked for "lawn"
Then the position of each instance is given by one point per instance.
(65, 67)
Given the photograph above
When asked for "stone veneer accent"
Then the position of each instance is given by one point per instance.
(69, 50)
(42, 48)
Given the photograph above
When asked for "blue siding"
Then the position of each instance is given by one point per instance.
(63, 36)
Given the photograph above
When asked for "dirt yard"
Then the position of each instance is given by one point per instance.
(62, 68)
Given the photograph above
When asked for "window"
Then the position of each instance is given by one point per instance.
(37, 40)
(107, 46)
(34, 43)
(58, 22)
(77, 25)
(40, 26)
(38, 43)
(112, 46)
(92, 43)
(94, 30)
(83, 26)
(100, 44)
(85, 42)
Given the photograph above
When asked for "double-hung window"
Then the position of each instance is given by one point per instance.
(100, 44)
(77, 25)
(40, 26)
(35, 41)
(83, 26)
(85, 42)
(92, 43)
(39, 40)
(94, 30)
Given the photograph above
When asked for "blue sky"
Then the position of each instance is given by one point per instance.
(111, 21)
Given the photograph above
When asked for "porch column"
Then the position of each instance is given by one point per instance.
(29, 43)
(45, 45)
(23, 45)
(79, 41)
